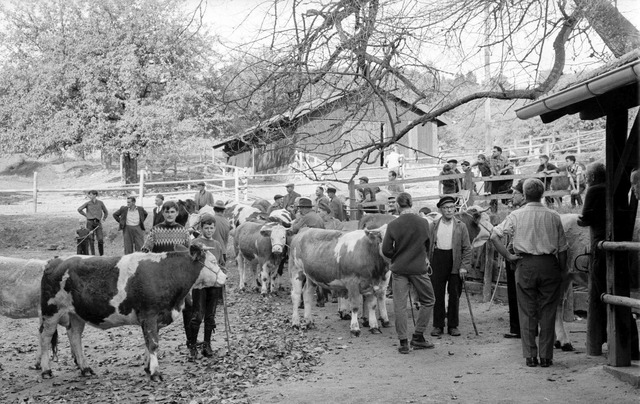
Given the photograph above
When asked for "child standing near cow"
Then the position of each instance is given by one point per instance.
(205, 300)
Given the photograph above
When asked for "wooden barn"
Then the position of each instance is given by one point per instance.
(330, 130)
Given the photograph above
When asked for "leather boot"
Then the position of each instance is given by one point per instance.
(206, 346)
(101, 247)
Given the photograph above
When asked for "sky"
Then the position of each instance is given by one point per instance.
(238, 21)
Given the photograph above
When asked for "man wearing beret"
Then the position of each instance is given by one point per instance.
(289, 200)
(450, 256)
(277, 203)
(203, 197)
(307, 218)
(335, 204)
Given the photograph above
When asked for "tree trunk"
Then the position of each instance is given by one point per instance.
(129, 169)
(618, 34)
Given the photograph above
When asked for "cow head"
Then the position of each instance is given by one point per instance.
(278, 235)
(185, 208)
(210, 274)
(376, 236)
(478, 223)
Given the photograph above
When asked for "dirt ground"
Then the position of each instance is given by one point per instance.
(269, 362)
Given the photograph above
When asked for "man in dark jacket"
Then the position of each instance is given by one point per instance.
(308, 218)
(131, 222)
(406, 244)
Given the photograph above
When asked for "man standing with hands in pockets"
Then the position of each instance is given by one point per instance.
(95, 213)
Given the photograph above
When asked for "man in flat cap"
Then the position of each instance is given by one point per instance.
(330, 222)
(450, 256)
(307, 217)
(203, 197)
(336, 205)
(277, 203)
(289, 200)
(320, 198)
(367, 194)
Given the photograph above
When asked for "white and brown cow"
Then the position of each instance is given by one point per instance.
(239, 213)
(260, 245)
(349, 264)
(106, 292)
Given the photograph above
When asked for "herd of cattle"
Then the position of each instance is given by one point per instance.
(149, 289)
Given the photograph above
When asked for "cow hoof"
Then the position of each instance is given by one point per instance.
(375, 331)
(355, 333)
(568, 347)
(35, 366)
(295, 326)
(156, 377)
(385, 324)
(147, 371)
(310, 326)
(344, 316)
(365, 322)
(86, 372)
(557, 344)
(47, 374)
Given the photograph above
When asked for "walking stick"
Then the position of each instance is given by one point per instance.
(473, 321)
(226, 316)
(502, 263)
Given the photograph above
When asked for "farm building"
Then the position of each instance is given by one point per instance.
(329, 132)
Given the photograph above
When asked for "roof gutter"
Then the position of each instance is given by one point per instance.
(620, 77)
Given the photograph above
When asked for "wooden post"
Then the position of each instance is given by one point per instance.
(352, 200)
(236, 185)
(488, 271)
(618, 279)
(141, 189)
(35, 192)
(530, 145)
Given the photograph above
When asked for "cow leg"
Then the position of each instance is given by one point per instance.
(241, 270)
(562, 337)
(297, 278)
(353, 292)
(307, 295)
(48, 327)
(344, 309)
(370, 303)
(381, 296)
(265, 277)
(274, 276)
(74, 331)
(150, 332)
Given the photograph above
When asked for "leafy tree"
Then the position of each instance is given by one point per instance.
(122, 76)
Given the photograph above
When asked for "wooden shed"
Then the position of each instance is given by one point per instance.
(326, 127)
(610, 92)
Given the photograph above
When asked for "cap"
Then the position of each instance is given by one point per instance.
(454, 161)
(519, 186)
(445, 199)
(465, 163)
(332, 189)
(207, 216)
(277, 196)
(363, 178)
(201, 183)
(305, 203)
(446, 167)
(322, 205)
(291, 184)
(219, 204)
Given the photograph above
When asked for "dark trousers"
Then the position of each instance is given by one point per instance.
(133, 238)
(597, 309)
(205, 302)
(442, 279)
(514, 319)
(95, 224)
(539, 289)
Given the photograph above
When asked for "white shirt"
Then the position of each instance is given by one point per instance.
(444, 237)
(133, 217)
(394, 160)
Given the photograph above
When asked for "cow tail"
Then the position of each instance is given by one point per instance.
(54, 344)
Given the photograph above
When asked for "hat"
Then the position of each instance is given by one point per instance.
(453, 161)
(519, 186)
(277, 196)
(322, 205)
(363, 178)
(465, 163)
(331, 189)
(305, 203)
(201, 183)
(93, 192)
(445, 199)
(207, 216)
(291, 184)
(219, 204)
(446, 167)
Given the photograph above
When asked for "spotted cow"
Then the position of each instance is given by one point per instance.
(106, 292)
(349, 264)
(260, 245)
(239, 213)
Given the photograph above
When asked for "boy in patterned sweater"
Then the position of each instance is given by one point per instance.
(165, 236)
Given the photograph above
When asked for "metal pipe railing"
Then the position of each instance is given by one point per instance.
(619, 245)
(620, 301)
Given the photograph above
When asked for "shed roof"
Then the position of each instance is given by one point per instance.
(614, 86)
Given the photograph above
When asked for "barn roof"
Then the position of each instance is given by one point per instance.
(612, 87)
(274, 128)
